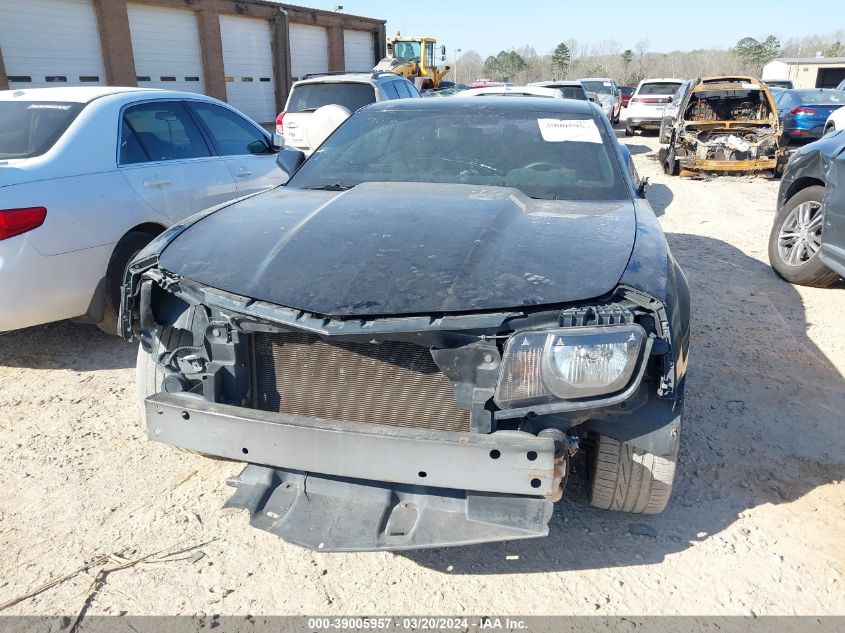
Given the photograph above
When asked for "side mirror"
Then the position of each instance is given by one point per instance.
(443, 50)
(290, 160)
(257, 148)
(641, 187)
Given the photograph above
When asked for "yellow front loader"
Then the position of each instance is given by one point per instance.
(416, 60)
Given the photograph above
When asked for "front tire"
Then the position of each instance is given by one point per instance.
(795, 240)
(663, 135)
(628, 479)
(129, 246)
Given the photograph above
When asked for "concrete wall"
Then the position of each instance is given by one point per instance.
(119, 62)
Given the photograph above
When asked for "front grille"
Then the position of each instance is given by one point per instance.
(391, 383)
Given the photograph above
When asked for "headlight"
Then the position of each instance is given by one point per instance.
(566, 364)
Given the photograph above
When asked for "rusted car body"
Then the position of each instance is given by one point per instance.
(726, 124)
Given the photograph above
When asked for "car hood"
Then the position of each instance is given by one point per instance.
(407, 248)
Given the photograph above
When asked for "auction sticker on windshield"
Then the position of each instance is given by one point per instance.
(562, 130)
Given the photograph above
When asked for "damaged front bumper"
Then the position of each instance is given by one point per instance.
(377, 487)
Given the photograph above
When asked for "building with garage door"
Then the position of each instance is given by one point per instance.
(246, 52)
(807, 72)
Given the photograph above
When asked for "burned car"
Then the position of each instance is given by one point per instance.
(408, 342)
(724, 124)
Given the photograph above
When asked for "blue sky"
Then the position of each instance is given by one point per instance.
(492, 25)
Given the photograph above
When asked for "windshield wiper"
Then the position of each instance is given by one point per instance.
(337, 186)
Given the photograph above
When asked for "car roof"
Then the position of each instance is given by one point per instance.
(536, 91)
(596, 79)
(806, 91)
(75, 94)
(366, 78)
(717, 84)
(730, 79)
(492, 104)
(561, 82)
(662, 80)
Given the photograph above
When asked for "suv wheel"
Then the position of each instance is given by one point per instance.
(628, 479)
(795, 240)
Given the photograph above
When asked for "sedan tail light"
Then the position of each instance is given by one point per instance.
(279, 120)
(802, 110)
(16, 221)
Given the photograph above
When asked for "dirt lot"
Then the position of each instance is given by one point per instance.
(756, 524)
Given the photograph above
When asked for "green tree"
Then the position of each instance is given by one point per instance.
(748, 50)
(834, 50)
(561, 60)
(627, 57)
(504, 66)
(491, 68)
(756, 54)
(769, 49)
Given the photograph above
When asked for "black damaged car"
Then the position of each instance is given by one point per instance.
(807, 241)
(410, 340)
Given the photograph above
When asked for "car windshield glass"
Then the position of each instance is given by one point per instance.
(821, 96)
(547, 155)
(572, 92)
(663, 89)
(30, 128)
(603, 87)
(309, 97)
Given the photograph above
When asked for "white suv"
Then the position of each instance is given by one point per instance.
(645, 109)
(317, 104)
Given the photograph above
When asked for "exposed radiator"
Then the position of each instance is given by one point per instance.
(391, 383)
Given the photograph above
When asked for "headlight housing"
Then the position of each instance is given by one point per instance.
(540, 367)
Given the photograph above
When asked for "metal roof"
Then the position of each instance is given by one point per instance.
(810, 60)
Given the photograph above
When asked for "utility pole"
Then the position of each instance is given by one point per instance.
(457, 55)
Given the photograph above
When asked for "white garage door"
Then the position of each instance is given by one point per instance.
(248, 66)
(166, 45)
(50, 43)
(309, 50)
(358, 51)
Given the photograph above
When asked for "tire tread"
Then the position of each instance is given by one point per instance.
(629, 479)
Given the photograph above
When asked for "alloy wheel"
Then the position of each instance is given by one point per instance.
(800, 234)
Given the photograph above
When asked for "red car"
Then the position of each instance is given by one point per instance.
(627, 92)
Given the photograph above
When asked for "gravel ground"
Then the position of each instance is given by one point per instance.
(755, 526)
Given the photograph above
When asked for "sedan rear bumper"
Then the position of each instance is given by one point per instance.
(644, 122)
(806, 132)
